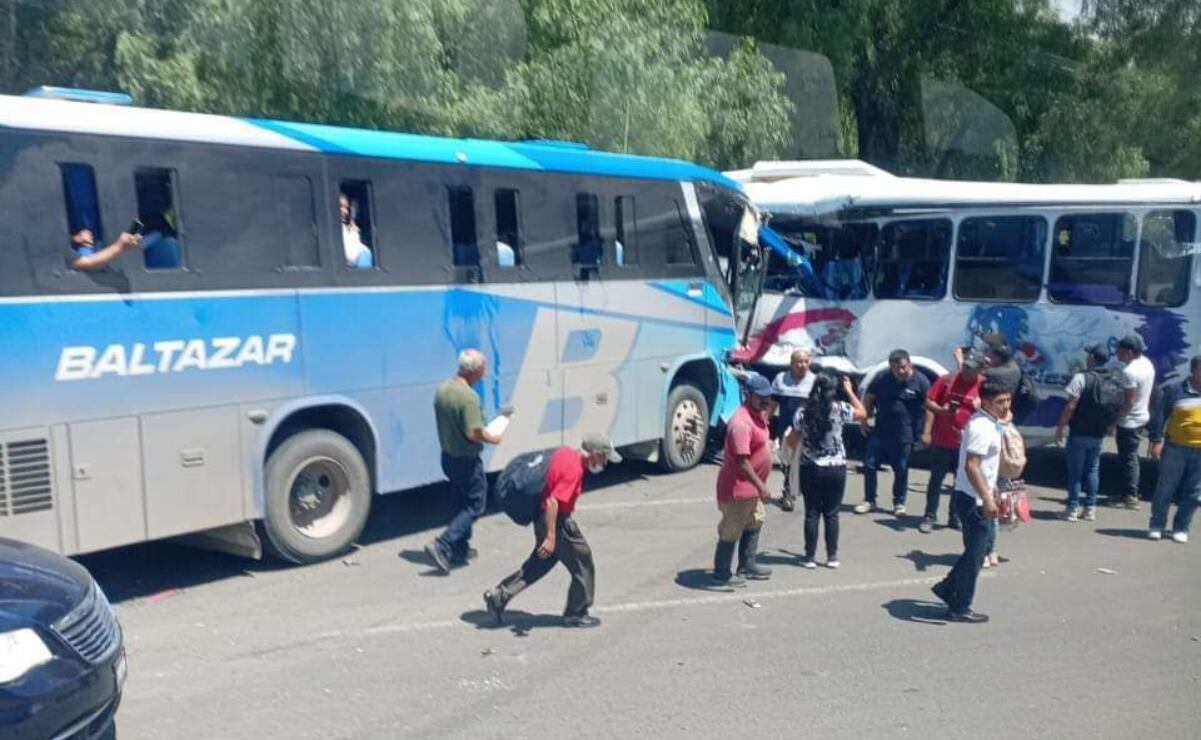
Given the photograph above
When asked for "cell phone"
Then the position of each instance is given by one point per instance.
(135, 227)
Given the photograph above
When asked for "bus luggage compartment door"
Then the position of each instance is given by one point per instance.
(106, 474)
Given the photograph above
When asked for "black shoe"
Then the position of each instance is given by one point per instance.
(465, 558)
(953, 524)
(942, 590)
(585, 621)
(748, 549)
(495, 607)
(968, 617)
(787, 503)
(434, 551)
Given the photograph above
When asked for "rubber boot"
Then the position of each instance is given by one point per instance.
(722, 558)
(748, 548)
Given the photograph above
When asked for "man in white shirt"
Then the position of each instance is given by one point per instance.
(975, 499)
(358, 254)
(790, 388)
(1138, 379)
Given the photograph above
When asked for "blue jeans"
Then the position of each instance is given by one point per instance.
(1084, 467)
(896, 454)
(470, 490)
(1179, 482)
(976, 534)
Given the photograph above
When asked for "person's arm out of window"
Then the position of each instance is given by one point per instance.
(102, 258)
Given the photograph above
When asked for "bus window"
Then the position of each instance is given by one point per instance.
(1165, 259)
(1092, 258)
(1000, 258)
(464, 248)
(587, 250)
(677, 242)
(159, 214)
(82, 201)
(625, 245)
(840, 255)
(357, 224)
(508, 232)
(297, 215)
(912, 260)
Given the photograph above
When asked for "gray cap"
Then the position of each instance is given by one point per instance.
(974, 359)
(600, 443)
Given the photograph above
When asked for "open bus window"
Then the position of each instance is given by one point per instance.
(464, 247)
(1000, 258)
(356, 224)
(1165, 259)
(1092, 258)
(158, 212)
(85, 232)
(589, 246)
(912, 260)
(508, 231)
(625, 242)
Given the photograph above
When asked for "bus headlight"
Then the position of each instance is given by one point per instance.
(21, 651)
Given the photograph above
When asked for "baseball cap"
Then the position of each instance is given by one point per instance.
(1132, 342)
(600, 443)
(1099, 352)
(759, 385)
(974, 359)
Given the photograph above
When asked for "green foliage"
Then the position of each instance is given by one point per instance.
(994, 89)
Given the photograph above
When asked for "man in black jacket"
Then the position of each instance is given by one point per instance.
(1088, 415)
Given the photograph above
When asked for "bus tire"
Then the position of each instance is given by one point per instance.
(686, 430)
(318, 494)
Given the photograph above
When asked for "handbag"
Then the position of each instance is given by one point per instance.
(1013, 505)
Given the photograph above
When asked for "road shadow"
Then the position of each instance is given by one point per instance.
(1043, 515)
(419, 557)
(518, 622)
(1134, 534)
(917, 610)
(780, 557)
(902, 523)
(701, 579)
(922, 561)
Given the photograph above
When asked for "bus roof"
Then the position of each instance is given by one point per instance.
(48, 114)
(818, 188)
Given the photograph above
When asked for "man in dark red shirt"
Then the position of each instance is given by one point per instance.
(742, 486)
(949, 405)
(557, 538)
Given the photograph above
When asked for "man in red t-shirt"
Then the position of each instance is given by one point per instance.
(742, 486)
(949, 405)
(557, 538)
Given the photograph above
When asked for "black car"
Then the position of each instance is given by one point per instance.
(62, 661)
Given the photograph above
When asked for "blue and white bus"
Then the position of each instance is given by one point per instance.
(272, 360)
(929, 265)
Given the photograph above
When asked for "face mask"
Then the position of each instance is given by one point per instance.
(595, 468)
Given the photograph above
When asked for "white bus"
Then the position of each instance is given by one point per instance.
(928, 265)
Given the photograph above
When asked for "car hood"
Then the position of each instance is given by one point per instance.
(37, 585)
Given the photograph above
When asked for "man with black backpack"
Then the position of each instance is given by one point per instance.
(541, 488)
(1095, 399)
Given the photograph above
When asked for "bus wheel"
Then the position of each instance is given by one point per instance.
(687, 428)
(318, 493)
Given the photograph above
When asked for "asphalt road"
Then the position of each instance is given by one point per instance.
(375, 645)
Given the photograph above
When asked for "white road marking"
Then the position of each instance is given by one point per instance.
(642, 606)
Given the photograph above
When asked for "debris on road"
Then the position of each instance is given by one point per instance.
(487, 651)
(1107, 571)
(751, 603)
(349, 561)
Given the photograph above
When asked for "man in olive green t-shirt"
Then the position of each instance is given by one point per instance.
(462, 435)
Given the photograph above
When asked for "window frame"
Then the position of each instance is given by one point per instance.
(1189, 259)
(1049, 278)
(1043, 243)
(368, 187)
(945, 261)
(176, 206)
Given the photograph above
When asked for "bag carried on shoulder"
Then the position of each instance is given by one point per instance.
(1013, 453)
(520, 485)
(1101, 402)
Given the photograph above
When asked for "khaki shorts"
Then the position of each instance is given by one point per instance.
(739, 515)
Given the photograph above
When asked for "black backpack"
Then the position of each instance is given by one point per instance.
(520, 485)
(1025, 397)
(1100, 402)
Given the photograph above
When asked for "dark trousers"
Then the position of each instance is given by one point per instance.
(573, 551)
(942, 462)
(896, 454)
(1128, 444)
(822, 487)
(976, 535)
(469, 488)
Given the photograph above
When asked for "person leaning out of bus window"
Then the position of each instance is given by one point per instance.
(85, 256)
(358, 255)
(160, 247)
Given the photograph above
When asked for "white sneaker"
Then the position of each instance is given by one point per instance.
(809, 564)
(898, 510)
(1072, 514)
(832, 564)
(1180, 537)
(1090, 513)
(863, 507)
(1155, 534)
